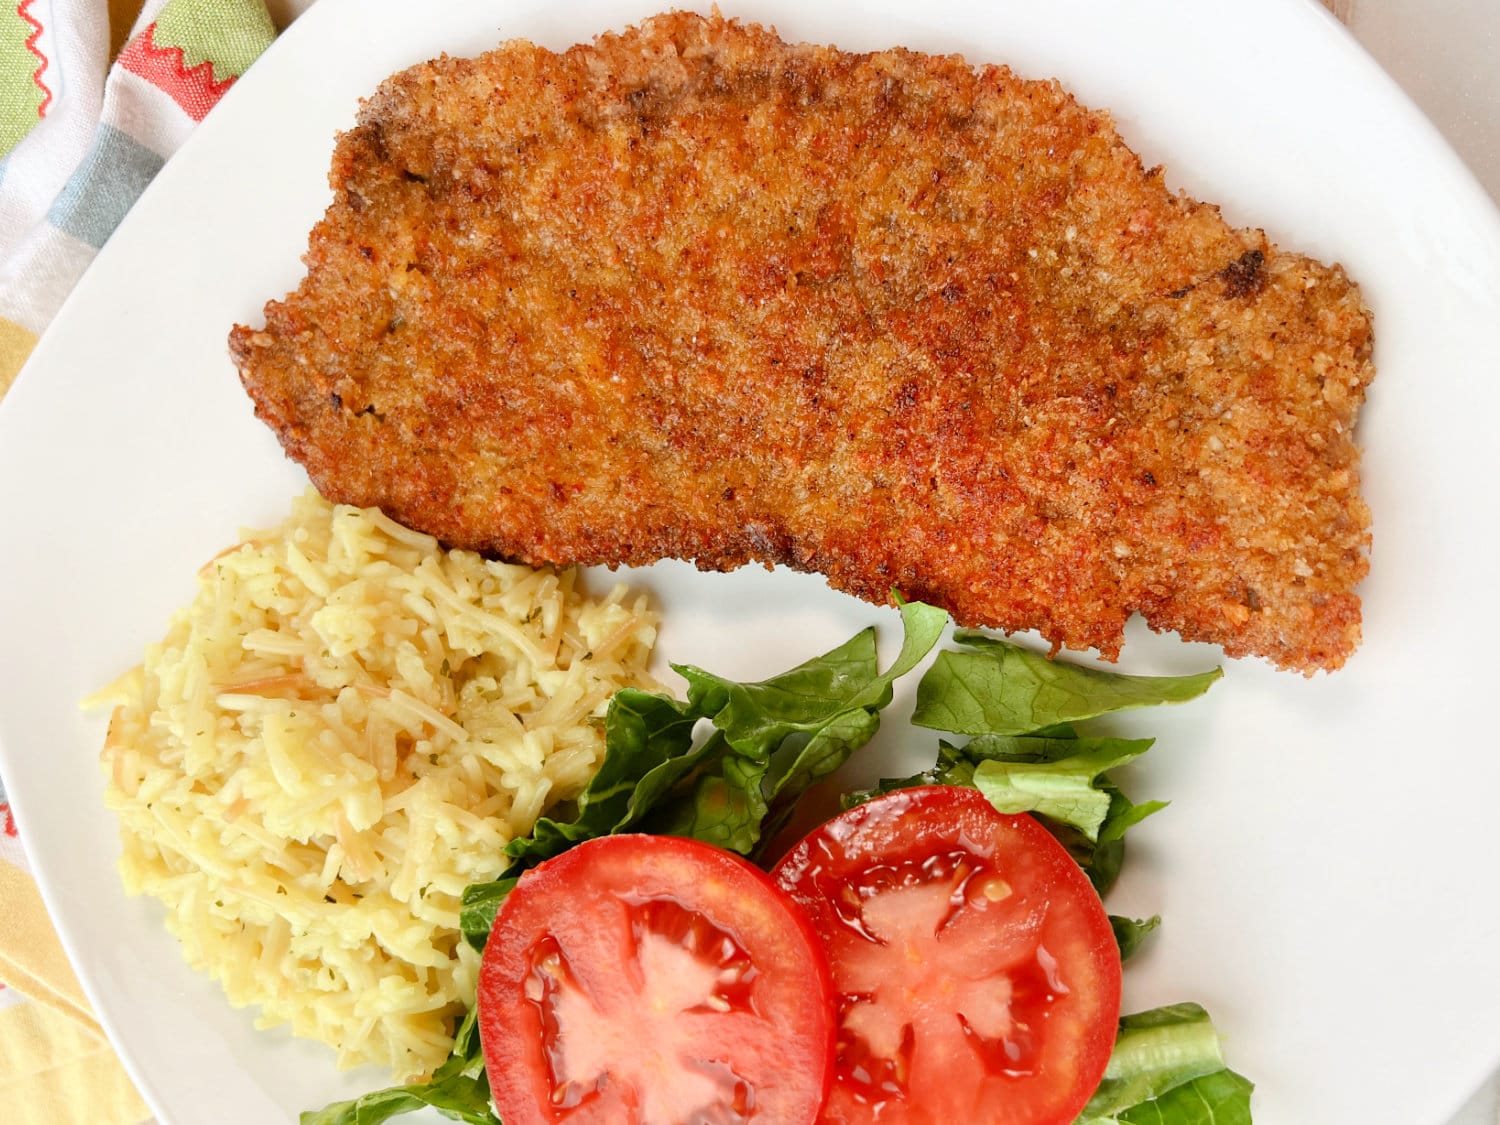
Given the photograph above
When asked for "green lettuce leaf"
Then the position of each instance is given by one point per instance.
(1220, 1098)
(1002, 689)
(1086, 811)
(1102, 860)
(752, 795)
(1167, 1069)
(1052, 777)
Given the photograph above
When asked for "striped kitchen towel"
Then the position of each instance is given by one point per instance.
(80, 137)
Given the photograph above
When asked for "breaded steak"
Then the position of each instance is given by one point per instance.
(694, 292)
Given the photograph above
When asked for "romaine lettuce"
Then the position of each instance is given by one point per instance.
(1167, 1069)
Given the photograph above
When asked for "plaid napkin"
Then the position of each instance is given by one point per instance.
(80, 137)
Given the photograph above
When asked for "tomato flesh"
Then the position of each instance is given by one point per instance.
(977, 975)
(651, 979)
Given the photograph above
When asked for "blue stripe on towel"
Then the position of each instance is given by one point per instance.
(105, 186)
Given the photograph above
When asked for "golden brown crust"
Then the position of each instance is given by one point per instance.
(693, 292)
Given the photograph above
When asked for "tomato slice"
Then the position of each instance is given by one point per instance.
(978, 977)
(654, 980)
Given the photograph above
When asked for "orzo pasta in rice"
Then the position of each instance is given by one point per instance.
(339, 733)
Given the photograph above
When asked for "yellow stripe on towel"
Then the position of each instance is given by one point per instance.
(54, 1071)
(56, 1067)
(15, 345)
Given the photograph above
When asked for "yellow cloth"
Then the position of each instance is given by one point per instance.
(15, 345)
(56, 1068)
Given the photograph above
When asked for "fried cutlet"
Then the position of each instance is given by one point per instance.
(693, 292)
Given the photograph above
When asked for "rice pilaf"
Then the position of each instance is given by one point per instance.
(340, 732)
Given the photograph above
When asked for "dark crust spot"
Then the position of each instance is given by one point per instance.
(1243, 278)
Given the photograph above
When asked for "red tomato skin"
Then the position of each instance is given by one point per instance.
(825, 872)
(584, 893)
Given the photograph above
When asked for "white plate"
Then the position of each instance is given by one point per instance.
(1326, 870)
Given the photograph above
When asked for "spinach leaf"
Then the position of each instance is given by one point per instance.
(753, 796)
(951, 768)
(805, 699)
(1000, 688)
(1167, 1069)
(479, 905)
(1130, 933)
(648, 742)
(458, 1090)
(771, 741)
(648, 748)
(786, 733)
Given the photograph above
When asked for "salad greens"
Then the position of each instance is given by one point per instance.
(1055, 774)
(771, 741)
(1026, 756)
(1166, 1069)
(458, 1090)
(1000, 688)
(728, 765)
(1131, 933)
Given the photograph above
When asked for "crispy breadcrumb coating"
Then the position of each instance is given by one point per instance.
(693, 292)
